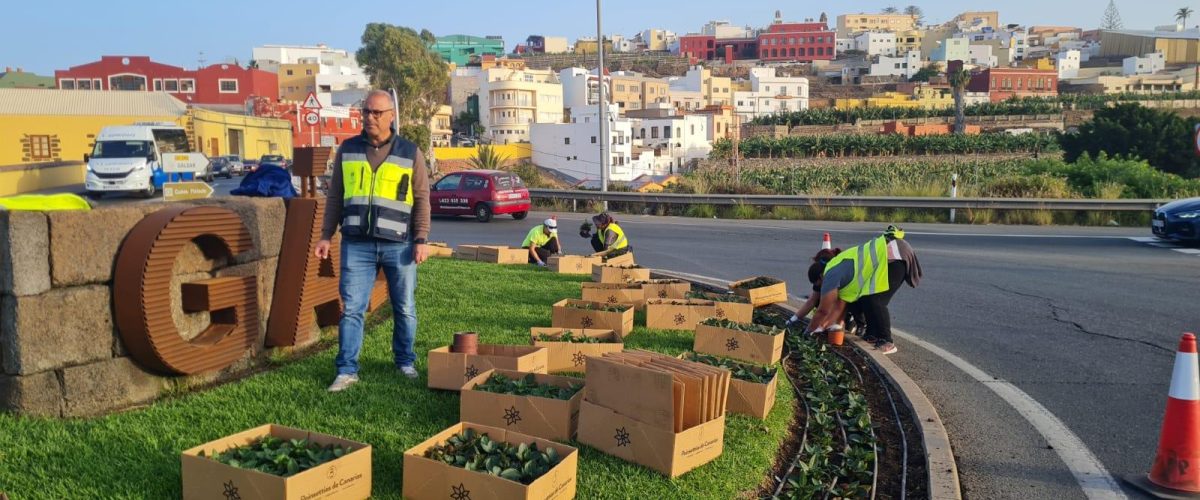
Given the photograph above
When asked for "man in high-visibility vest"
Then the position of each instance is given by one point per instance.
(609, 235)
(542, 242)
(379, 195)
(867, 275)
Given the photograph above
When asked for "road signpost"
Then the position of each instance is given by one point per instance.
(312, 116)
(190, 190)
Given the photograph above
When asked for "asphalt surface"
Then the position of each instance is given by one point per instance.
(1084, 320)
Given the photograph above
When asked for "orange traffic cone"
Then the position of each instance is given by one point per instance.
(826, 243)
(1176, 469)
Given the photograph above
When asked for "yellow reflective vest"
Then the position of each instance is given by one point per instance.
(870, 269)
(621, 242)
(377, 203)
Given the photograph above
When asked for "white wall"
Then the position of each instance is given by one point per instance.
(981, 55)
(876, 43)
(688, 136)
(1145, 65)
(574, 148)
(766, 95)
(1067, 63)
(904, 66)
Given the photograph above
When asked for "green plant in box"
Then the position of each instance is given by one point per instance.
(742, 327)
(741, 371)
(527, 386)
(476, 452)
(718, 297)
(758, 282)
(603, 308)
(280, 457)
(569, 336)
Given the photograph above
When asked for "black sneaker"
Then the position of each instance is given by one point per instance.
(870, 340)
(886, 347)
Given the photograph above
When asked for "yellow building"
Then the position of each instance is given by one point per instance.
(297, 80)
(923, 97)
(44, 133)
(909, 40)
(1178, 47)
(851, 24)
(634, 91)
(977, 19)
(439, 127)
(588, 46)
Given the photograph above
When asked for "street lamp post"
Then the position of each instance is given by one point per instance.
(602, 106)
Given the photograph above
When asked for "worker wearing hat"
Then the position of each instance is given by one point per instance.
(542, 242)
(609, 235)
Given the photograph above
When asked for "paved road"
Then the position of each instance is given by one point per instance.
(1083, 320)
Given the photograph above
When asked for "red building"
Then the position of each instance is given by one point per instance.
(226, 84)
(334, 126)
(804, 42)
(1004, 83)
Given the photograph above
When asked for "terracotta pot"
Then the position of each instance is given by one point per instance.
(465, 343)
(835, 337)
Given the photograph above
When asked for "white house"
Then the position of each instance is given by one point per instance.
(770, 94)
(1148, 64)
(904, 66)
(682, 138)
(1067, 63)
(574, 148)
(844, 44)
(876, 43)
(981, 55)
(581, 89)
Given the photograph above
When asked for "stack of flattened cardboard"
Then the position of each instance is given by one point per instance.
(665, 413)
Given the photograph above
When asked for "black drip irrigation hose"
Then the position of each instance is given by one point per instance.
(803, 433)
(899, 425)
(874, 439)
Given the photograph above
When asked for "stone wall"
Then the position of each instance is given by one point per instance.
(60, 353)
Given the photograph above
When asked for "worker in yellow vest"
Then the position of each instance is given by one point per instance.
(867, 275)
(542, 242)
(609, 235)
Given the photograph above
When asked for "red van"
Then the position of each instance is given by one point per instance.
(482, 193)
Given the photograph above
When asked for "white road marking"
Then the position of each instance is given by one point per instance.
(1091, 475)
(1158, 243)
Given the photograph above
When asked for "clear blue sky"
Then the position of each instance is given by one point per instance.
(43, 36)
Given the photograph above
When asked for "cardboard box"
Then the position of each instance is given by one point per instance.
(572, 356)
(749, 398)
(666, 289)
(542, 417)
(345, 477)
(761, 296)
(614, 293)
(438, 249)
(429, 479)
(610, 274)
(466, 252)
(625, 259)
(662, 450)
(573, 264)
(450, 370)
(677, 314)
(745, 346)
(570, 317)
(502, 255)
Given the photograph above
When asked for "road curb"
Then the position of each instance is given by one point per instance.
(941, 468)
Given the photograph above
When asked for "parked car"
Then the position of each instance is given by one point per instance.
(276, 160)
(221, 167)
(482, 193)
(235, 164)
(1178, 220)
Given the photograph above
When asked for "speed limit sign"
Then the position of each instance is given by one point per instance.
(311, 118)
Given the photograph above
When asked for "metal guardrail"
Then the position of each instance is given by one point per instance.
(1142, 205)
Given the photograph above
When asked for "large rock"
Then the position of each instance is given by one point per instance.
(107, 385)
(84, 245)
(264, 217)
(24, 253)
(37, 395)
(66, 326)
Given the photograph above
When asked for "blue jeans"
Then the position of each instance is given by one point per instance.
(361, 261)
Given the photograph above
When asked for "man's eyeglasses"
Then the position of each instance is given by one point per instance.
(376, 113)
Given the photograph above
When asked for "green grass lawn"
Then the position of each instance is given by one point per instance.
(136, 454)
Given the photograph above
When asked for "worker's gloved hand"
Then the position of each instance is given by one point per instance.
(541, 264)
(791, 321)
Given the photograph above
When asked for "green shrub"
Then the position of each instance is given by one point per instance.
(702, 211)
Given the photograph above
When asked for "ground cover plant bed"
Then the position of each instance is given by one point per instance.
(55, 459)
(568, 336)
(527, 386)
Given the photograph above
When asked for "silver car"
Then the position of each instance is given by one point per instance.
(235, 164)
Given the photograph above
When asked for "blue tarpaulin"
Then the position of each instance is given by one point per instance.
(268, 181)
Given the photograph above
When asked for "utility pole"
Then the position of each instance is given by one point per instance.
(602, 105)
(737, 138)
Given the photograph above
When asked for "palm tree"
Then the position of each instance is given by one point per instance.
(487, 158)
(1183, 14)
(890, 10)
(958, 81)
(917, 14)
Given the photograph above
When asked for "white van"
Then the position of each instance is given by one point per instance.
(129, 158)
